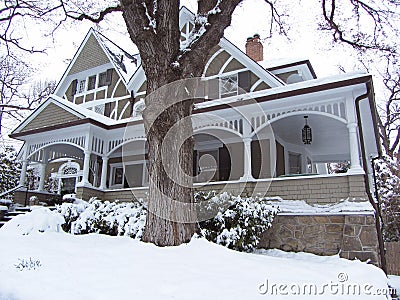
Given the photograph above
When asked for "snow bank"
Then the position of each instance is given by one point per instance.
(97, 267)
(5, 201)
(344, 206)
(39, 220)
(4, 208)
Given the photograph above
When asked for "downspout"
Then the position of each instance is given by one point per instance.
(366, 181)
(376, 187)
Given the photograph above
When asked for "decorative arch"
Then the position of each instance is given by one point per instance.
(206, 129)
(259, 123)
(39, 148)
(211, 60)
(121, 143)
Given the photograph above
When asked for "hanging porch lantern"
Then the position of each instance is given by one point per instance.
(306, 133)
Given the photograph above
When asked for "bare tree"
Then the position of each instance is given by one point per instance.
(153, 25)
(17, 95)
(389, 110)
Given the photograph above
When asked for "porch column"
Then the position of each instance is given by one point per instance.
(247, 160)
(86, 166)
(103, 182)
(42, 176)
(59, 187)
(22, 177)
(355, 166)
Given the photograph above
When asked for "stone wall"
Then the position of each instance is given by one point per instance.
(353, 236)
(22, 197)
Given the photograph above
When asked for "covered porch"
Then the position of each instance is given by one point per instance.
(254, 148)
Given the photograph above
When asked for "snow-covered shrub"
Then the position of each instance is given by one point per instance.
(238, 221)
(240, 226)
(33, 200)
(111, 218)
(39, 220)
(9, 169)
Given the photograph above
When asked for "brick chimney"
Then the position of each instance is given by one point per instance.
(254, 48)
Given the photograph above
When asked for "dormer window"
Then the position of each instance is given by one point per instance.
(228, 86)
(91, 83)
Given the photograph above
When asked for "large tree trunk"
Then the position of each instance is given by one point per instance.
(171, 217)
(154, 27)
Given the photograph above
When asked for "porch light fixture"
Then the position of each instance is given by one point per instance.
(306, 133)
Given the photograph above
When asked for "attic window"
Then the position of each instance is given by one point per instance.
(81, 86)
(228, 86)
(91, 82)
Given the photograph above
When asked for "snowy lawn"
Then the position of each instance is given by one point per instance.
(395, 283)
(57, 265)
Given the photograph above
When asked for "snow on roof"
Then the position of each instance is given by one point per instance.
(126, 63)
(279, 62)
(344, 206)
(284, 89)
(83, 111)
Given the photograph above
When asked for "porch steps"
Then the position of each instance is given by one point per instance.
(22, 209)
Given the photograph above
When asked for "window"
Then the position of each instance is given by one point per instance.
(294, 163)
(91, 82)
(118, 177)
(228, 86)
(100, 109)
(133, 174)
(81, 86)
(102, 79)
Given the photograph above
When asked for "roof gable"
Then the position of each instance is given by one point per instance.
(50, 113)
(90, 56)
(226, 59)
(95, 51)
(283, 68)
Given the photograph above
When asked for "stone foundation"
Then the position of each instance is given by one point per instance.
(353, 236)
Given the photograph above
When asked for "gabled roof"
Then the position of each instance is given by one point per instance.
(124, 63)
(63, 111)
(185, 15)
(303, 64)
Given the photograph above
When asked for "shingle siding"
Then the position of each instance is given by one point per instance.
(51, 115)
(91, 56)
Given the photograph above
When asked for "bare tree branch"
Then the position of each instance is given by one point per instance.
(359, 39)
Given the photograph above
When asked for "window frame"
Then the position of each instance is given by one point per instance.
(91, 79)
(231, 92)
(102, 76)
(114, 167)
(81, 87)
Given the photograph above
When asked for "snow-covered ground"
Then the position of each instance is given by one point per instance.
(57, 265)
(395, 283)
